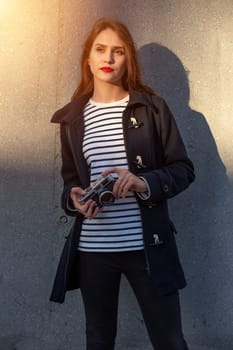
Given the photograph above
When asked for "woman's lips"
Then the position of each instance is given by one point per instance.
(106, 69)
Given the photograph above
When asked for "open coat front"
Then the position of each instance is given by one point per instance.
(155, 151)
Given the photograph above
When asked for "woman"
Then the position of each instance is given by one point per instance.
(116, 127)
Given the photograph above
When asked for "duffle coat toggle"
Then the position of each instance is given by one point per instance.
(134, 123)
(157, 242)
(138, 162)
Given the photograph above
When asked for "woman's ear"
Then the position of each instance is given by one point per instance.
(88, 61)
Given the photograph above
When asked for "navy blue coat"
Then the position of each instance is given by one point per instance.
(155, 150)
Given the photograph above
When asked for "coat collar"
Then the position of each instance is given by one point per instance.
(70, 111)
(73, 110)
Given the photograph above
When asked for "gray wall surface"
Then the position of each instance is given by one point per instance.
(186, 52)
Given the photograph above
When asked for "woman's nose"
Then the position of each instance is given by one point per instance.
(109, 57)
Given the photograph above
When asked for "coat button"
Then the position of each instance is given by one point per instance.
(156, 240)
(165, 188)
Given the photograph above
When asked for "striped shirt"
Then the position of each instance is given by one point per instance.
(117, 227)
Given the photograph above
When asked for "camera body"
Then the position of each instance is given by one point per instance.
(100, 191)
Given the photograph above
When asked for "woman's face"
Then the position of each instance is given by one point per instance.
(107, 58)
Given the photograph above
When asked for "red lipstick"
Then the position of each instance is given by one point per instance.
(106, 69)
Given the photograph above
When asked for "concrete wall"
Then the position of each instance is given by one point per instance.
(185, 48)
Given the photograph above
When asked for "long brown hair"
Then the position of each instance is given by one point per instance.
(132, 77)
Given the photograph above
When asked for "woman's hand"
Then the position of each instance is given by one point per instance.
(126, 181)
(89, 209)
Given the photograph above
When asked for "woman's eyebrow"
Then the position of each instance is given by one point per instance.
(114, 47)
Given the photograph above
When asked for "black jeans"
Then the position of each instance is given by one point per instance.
(100, 275)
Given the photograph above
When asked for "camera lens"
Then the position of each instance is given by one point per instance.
(106, 198)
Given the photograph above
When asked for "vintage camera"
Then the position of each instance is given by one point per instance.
(100, 191)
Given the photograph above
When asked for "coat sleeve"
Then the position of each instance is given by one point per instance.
(68, 172)
(176, 172)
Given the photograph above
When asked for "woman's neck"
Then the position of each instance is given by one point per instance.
(108, 92)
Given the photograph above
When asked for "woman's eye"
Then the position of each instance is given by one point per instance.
(119, 52)
(99, 49)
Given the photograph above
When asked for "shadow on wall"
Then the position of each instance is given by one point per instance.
(202, 212)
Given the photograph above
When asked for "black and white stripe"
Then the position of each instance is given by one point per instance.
(117, 227)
